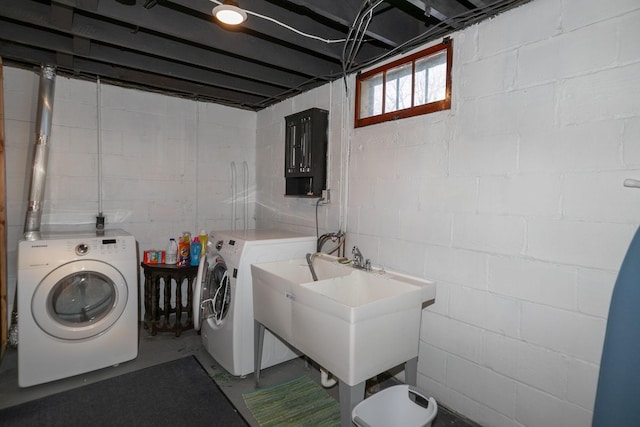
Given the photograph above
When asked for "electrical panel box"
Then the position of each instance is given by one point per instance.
(305, 159)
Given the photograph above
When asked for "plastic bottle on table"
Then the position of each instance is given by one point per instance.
(196, 247)
(203, 237)
(184, 249)
(172, 252)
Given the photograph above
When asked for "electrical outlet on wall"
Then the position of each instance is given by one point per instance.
(326, 196)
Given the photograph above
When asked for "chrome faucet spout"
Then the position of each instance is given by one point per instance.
(357, 255)
(310, 264)
(359, 261)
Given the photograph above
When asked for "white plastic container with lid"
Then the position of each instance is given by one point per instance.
(172, 252)
(399, 405)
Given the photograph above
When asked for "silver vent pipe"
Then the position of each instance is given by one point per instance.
(40, 153)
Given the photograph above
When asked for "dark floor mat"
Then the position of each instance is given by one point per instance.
(176, 393)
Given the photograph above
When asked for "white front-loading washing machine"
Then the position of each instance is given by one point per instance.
(77, 303)
(223, 295)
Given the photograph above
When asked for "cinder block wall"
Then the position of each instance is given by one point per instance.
(165, 161)
(512, 201)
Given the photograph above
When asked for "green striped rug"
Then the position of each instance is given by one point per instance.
(297, 402)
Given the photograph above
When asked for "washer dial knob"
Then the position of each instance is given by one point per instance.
(82, 249)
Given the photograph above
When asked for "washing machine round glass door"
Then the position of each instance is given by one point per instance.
(212, 293)
(79, 299)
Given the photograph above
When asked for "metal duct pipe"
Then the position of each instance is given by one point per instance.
(41, 153)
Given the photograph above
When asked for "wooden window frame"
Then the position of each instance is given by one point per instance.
(444, 104)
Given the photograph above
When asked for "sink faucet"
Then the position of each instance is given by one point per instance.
(359, 261)
(310, 264)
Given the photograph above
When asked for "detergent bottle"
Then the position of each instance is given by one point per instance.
(196, 247)
(172, 252)
(203, 237)
(184, 249)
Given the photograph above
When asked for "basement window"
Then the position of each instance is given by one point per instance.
(414, 85)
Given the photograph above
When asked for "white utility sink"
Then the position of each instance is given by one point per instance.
(273, 289)
(354, 323)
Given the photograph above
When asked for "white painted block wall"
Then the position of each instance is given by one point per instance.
(273, 209)
(512, 201)
(165, 161)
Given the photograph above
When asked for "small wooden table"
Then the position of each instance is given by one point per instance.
(157, 318)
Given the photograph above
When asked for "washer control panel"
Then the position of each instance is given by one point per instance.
(46, 253)
(96, 245)
(230, 247)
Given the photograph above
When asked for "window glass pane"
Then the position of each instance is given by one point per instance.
(407, 87)
(398, 88)
(371, 96)
(431, 78)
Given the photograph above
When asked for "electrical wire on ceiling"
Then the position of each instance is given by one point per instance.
(352, 42)
(454, 23)
(355, 36)
(357, 31)
(288, 27)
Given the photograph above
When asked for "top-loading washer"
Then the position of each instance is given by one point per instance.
(223, 295)
(78, 303)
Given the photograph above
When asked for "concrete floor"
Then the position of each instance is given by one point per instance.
(165, 347)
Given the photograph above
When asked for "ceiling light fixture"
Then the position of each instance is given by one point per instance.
(229, 13)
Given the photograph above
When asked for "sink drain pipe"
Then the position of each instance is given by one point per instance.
(325, 380)
(324, 374)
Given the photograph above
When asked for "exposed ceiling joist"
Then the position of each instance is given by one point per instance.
(177, 47)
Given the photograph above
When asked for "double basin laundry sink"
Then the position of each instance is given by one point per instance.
(353, 322)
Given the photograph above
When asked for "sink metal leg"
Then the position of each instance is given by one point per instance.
(258, 340)
(350, 396)
(411, 372)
